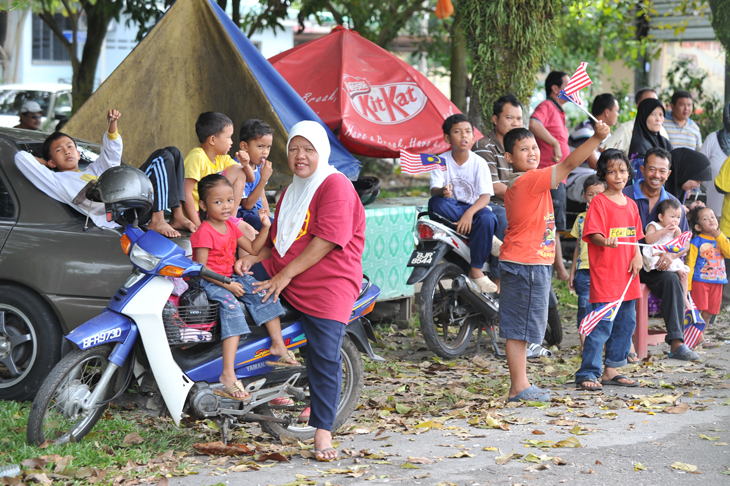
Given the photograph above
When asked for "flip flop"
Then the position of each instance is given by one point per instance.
(633, 358)
(710, 344)
(614, 381)
(283, 361)
(580, 386)
(228, 393)
(531, 394)
(322, 451)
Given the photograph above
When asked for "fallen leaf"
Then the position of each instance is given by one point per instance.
(569, 442)
(537, 467)
(163, 482)
(537, 459)
(679, 408)
(538, 432)
(219, 449)
(490, 449)
(408, 465)
(402, 409)
(132, 439)
(577, 430)
(639, 467)
(702, 436)
(461, 454)
(559, 461)
(504, 459)
(274, 456)
(420, 460)
(39, 477)
(684, 467)
(35, 463)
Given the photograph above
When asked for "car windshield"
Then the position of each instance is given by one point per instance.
(12, 99)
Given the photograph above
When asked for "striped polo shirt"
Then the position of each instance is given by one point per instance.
(688, 136)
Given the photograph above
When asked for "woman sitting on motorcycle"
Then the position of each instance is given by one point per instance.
(313, 255)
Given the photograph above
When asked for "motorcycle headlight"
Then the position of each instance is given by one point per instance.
(143, 259)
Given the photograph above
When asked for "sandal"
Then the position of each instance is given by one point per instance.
(531, 394)
(284, 360)
(615, 381)
(633, 358)
(321, 458)
(228, 393)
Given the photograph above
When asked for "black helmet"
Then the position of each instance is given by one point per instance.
(122, 188)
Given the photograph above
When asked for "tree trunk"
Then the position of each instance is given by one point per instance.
(641, 75)
(236, 12)
(475, 108)
(727, 77)
(458, 64)
(84, 71)
(223, 4)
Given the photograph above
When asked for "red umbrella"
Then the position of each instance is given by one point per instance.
(375, 103)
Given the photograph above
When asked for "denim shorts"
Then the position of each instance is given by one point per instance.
(524, 301)
(233, 321)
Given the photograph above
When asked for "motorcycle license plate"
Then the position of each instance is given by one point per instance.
(422, 259)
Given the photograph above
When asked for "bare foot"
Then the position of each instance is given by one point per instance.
(624, 380)
(163, 228)
(591, 384)
(228, 382)
(183, 224)
(323, 449)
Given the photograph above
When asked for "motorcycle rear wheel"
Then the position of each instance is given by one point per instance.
(352, 384)
(55, 415)
(443, 334)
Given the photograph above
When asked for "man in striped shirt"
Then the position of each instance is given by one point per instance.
(506, 115)
(682, 131)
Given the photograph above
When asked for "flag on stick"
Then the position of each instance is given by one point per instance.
(419, 163)
(606, 313)
(676, 245)
(694, 324)
(577, 82)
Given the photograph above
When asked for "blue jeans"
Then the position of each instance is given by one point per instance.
(615, 335)
(233, 321)
(501, 215)
(582, 286)
(483, 226)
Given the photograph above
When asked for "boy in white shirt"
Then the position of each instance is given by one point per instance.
(57, 174)
(462, 193)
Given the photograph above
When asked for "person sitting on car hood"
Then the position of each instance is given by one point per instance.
(57, 174)
(30, 116)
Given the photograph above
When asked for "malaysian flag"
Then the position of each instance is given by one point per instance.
(605, 313)
(692, 334)
(676, 245)
(577, 82)
(419, 163)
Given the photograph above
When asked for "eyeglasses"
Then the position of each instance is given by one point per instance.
(34, 117)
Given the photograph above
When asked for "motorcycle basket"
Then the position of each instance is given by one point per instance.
(190, 324)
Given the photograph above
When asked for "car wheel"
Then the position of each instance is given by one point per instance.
(30, 342)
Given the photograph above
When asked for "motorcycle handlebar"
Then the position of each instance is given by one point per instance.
(205, 272)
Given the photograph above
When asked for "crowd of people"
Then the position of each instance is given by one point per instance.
(636, 184)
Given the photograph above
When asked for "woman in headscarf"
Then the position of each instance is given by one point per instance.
(649, 120)
(313, 257)
(689, 169)
(717, 148)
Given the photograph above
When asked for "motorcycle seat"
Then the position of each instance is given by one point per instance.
(443, 220)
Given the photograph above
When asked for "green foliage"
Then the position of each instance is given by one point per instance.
(508, 41)
(721, 21)
(684, 75)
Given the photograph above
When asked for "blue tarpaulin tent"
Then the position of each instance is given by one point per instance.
(193, 60)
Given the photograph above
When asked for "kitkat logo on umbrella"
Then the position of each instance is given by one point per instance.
(387, 104)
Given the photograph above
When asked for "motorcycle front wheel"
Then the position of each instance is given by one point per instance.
(446, 332)
(56, 415)
(352, 384)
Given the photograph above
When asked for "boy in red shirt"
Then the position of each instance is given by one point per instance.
(612, 217)
(528, 251)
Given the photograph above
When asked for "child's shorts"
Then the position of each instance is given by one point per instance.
(707, 296)
(233, 320)
(524, 301)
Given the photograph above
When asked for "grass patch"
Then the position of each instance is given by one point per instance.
(103, 447)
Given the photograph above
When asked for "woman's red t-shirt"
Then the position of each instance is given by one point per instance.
(329, 288)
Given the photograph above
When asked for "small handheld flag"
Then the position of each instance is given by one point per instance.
(577, 82)
(606, 313)
(694, 323)
(419, 163)
(674, 246)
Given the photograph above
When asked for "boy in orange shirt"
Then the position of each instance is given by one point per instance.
(528, 251)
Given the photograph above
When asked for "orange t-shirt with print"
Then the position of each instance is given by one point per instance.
(530, 235)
